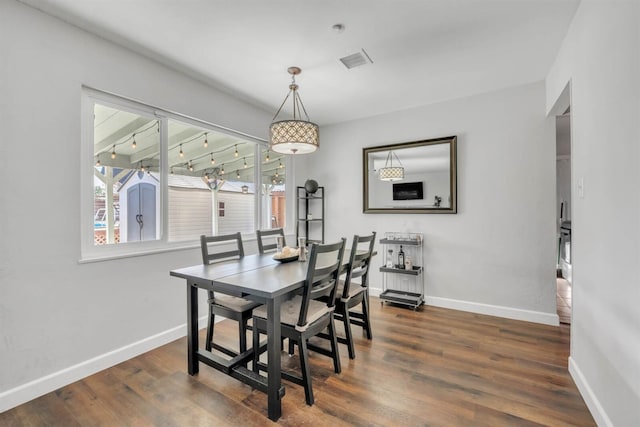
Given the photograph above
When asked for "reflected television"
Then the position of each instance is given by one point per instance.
(408, 191)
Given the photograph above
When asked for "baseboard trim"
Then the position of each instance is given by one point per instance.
(36, 388)
(374, 292)
(597, 411)
(496, 310)
(491, 310)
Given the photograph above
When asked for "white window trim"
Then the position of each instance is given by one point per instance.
(89, 252)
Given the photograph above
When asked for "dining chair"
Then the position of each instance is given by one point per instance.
(304, 315)
(267, 239)
(268, 242)
(230, 307)
(350, 293)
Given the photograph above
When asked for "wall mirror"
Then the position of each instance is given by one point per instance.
(410, 177)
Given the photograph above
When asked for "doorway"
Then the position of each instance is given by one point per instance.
(563, 216)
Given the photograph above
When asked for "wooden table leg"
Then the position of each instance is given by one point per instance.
(273, 362)
(192, 328)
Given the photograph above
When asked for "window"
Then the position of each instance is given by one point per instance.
(126, 199)
(207, 168)
(273, 187)
(158, 179)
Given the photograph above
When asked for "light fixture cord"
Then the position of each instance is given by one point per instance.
(390, 157)
(282, 105)
(301, 105)
(396, 156)
(294, 87)
(298, 105)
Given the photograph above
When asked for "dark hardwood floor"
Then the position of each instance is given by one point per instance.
(432, 367)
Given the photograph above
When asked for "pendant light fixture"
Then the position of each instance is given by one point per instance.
(390, 172)
(294, 136)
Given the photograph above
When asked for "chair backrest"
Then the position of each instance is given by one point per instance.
(325, 262)
(209, 254)
(267, 239)
(359, 262)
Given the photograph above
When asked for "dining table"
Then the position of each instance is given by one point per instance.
(259, 278)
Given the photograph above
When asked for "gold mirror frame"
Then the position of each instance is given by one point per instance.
(418, 156)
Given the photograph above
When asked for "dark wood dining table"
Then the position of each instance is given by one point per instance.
(255, 277)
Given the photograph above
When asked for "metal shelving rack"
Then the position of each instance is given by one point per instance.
(310, 227)
(401, 285)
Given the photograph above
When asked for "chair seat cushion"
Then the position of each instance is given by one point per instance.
(354, 289)
(290, 312)
(233, 303)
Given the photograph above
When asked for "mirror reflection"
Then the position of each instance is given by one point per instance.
(411, 177)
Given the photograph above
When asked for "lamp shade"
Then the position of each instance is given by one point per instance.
(294, 136)
(394, 173)
(390, 172)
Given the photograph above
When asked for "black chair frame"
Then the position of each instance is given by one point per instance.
(241, 316)
(263, 235)
(319, 282)
(358, 268)
(359, 265)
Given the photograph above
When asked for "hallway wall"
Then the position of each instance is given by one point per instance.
(601, 58)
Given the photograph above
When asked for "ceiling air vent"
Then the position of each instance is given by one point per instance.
(356, 59)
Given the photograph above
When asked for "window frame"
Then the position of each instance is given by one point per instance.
(89, 252)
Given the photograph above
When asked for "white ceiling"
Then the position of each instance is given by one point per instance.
(423, 51)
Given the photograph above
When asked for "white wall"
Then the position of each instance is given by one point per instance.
(56, 315)
(497, 255)
(600, 56)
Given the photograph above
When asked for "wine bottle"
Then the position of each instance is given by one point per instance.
(401, 258)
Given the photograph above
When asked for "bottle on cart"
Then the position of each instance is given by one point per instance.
(390, 258)
(401, 258)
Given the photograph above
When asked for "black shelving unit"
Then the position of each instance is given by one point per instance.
(310, 215)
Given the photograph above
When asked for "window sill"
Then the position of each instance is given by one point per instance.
(108, 253)
(111, 253)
